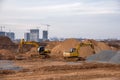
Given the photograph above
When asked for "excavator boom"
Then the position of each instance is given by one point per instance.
(23, 42)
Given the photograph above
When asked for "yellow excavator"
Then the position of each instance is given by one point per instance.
(74, 52)
(41, 49)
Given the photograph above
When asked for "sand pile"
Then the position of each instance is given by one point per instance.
(6, 43)
(66, 45)
(86, 51)
(33, 51)
(29, 54)
(26, 48)
(99, 46)
(6, 55)
(52, 44)
(83, 51)
(114, 43)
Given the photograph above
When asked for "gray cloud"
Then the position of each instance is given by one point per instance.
(85, 17)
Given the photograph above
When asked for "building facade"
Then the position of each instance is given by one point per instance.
(45, 35)
(11, 35)
(2, 33)
(27, 36)
(34, 35)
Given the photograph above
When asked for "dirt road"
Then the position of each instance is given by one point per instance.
(61, 70)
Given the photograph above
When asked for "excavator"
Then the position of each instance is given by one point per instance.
(41, 49)
(73, 54)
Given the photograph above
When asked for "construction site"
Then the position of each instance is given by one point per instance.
(70, 59)
(59, 39)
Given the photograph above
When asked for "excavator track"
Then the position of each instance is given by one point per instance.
(74, 59)
(44, 56)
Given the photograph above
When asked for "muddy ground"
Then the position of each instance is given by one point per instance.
(48, 69)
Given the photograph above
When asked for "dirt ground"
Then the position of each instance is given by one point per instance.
(55, 67)
(48, 69)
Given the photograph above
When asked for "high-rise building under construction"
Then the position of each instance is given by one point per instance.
(27, 36)
(34, 35)
(11, 35)
(45, 35)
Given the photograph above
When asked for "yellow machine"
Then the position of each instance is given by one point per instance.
(74, 52)
(23, 42)
(40, 49)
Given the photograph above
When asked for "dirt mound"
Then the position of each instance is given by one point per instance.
(5, 41)
(6, 55)
(33, 51)
(99, 46)
(27, 55)
(113, 43)
(52, 44)
(66, 45)
(83, 51)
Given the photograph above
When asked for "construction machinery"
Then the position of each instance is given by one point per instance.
(74, 52)
(41, 49)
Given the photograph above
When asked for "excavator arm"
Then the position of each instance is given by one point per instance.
(23, 42)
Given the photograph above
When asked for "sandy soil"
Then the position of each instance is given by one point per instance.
(47, 69)
(56, 68)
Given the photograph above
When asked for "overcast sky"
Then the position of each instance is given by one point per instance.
(96, 19)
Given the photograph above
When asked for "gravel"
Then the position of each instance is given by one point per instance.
(116, 58)
(103, 56)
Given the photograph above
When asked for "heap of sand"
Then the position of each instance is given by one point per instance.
(66, 45)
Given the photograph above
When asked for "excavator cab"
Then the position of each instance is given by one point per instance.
(41, 50)
(72, 50)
